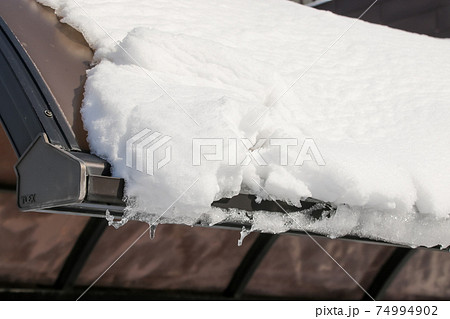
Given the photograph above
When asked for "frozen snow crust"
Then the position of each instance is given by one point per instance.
(377, 105)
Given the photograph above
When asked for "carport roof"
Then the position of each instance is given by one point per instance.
(51, 256)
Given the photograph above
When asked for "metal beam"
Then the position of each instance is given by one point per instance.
(118, 294)
(80, 253)
(249, 264)
(388, 272)
(28, 108)
(7, 188)
(352, 238)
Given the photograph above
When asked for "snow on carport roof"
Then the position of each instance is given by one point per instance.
(427, 268)
(375, 106)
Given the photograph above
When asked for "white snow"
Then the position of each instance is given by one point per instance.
(376, 104)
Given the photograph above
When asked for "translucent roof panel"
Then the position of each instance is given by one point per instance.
(33, 246)
(297, 267)
(425, 276)
(179, 257)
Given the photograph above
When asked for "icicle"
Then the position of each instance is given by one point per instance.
(244, 233)
(109, 217)
(152, 231)
(112, 222)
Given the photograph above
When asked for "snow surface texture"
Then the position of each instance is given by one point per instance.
(377, 105)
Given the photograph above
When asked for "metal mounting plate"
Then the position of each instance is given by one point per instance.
(48, 176)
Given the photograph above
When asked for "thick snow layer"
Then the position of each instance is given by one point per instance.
(376, 104)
